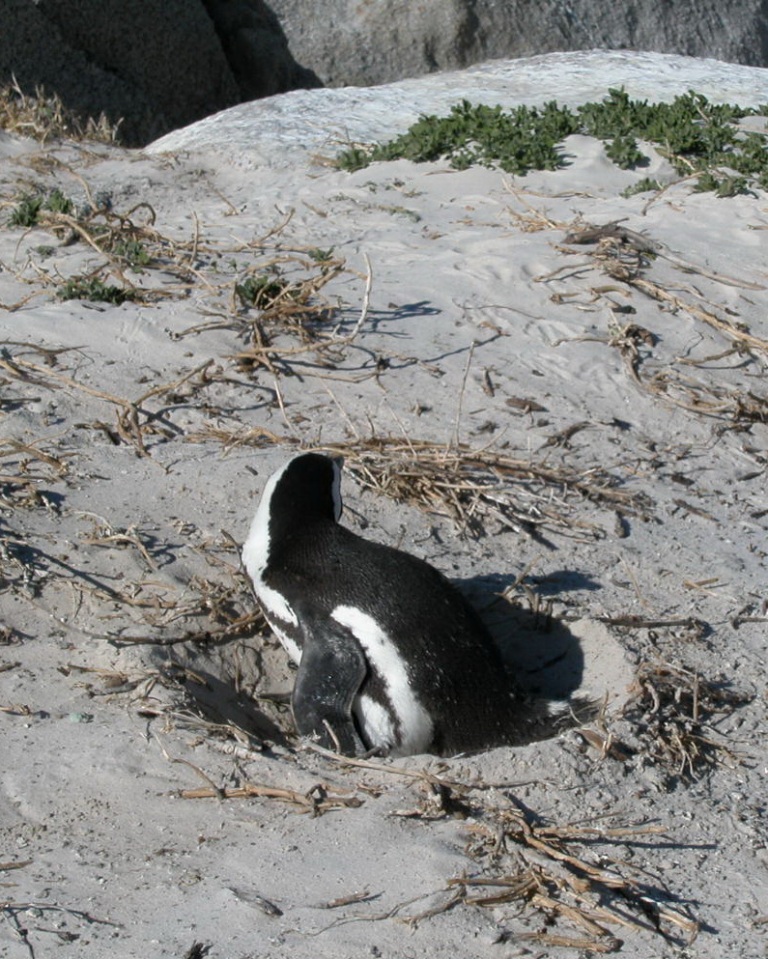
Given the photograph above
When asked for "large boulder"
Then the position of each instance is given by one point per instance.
(153, 64)
(157, 65)
(363, 43)
(305, 126)
(256, 49)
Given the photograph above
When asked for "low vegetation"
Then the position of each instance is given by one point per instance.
(696, 136)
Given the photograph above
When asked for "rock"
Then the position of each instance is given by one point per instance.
(158, 65)
(294, 128)
(364, 43)
(153, 64)
(256, 49)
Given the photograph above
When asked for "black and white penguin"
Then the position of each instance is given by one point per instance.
(391, 656)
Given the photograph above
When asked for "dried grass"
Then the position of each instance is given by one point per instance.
(207, 612)
(135, 423)
(132, 250)
(554, 875)
(573, 897)
(475, 488)
(44, 117)
(316, 801)
(282, 309)
(626, 256)
(673, 709)
(566, 878)
(279, 305)
(25, 467)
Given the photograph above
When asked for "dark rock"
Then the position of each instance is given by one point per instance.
(154, 65)
(157, 65)
(364, 43)
(256, 49)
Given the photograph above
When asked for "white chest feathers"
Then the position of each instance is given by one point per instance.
(378, 723)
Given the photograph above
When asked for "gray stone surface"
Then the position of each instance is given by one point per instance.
(159, 65)
(154, 64)
(256, 48)
(363, 43)
(295, 127)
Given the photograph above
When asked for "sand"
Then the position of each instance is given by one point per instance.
(135, 439)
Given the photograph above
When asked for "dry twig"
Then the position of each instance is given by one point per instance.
(673, 708)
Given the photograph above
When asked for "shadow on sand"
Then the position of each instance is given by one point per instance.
(543, 656)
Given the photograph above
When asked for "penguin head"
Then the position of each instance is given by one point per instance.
(304, 491)
(307, 488)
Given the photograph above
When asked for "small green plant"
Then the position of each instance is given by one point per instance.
(397, 210)
(58, 203)
(261, 291)
(722, 186)
(27, 212)
(624, 152)
(133, 252)
(517, 142)
(646, 185)
(95, 289)
(694, 134)
(355, 158)
(321, 256)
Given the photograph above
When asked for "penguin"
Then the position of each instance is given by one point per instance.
(392, 658)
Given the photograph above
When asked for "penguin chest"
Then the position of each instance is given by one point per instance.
(388, 709)
(395, 718)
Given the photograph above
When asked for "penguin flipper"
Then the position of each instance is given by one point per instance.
(330, 674)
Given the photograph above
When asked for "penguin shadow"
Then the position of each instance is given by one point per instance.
(543, 657)
(225, 693)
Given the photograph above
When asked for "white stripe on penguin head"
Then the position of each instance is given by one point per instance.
(256, 556)
(257, 543)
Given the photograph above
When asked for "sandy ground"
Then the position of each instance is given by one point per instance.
(138, 692)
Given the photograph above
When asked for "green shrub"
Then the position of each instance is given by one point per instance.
(27, 212)
(95, 289)
(260, 291)
(694, 134)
